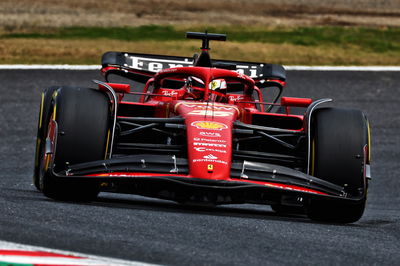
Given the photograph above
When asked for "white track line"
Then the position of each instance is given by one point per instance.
(51, 67)
(302, 68)
(84, 259)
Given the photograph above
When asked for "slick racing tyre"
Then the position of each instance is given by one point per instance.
(82, 120)
(340, 139)
(43, 121)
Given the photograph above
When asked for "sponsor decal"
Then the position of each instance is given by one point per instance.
(248, 70)
(209, 144)
(210, 156)
(169, 70)
(210, 113)
(158, 64)
(143, 63)
(210, 134)
(213, 140)
(236, 97)
(210, 140)
(169, 93)
(203, 149)
(209, 125)
(209, 161)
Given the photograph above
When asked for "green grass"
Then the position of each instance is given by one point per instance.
(151, 32)
(375, 40)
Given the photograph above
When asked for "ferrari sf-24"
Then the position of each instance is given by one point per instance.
(196, 130)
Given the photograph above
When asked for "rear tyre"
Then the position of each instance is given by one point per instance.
(82, 120)
(339, 139)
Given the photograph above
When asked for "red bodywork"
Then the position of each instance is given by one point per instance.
(203, 130)
(209, 124)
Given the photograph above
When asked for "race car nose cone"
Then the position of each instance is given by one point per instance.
(209, 138)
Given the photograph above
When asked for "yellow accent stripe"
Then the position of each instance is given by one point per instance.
(55, 105)
(47, 162)
(312, 157)
(369, 142)
(41, 111)
(54, 112)
(107, 143)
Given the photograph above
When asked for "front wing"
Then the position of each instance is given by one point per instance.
(167, 177)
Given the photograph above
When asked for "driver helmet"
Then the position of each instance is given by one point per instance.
(218, 85)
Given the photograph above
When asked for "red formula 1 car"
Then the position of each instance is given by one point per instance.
(202, 131)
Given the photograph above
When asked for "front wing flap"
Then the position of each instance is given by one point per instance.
(167, 177)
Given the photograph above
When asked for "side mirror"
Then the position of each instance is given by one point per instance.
(295, 102)
(117, 87)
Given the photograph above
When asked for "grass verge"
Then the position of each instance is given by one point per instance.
(306, 46)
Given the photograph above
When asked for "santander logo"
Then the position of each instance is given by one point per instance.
(210, 156)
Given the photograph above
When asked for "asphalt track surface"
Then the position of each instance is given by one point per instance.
(163, 232)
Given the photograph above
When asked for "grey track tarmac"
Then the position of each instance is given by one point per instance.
(157, 231)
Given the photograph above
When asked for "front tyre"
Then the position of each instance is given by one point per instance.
(339, 152)
(82, 120)
(43, 121)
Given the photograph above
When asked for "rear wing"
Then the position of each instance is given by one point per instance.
(147, 65)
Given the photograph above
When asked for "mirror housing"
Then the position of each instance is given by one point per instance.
(295, 102)
(117, 87)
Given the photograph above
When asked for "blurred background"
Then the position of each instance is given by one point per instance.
(290, 32)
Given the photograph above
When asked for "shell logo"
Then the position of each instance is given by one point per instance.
(209, 125)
